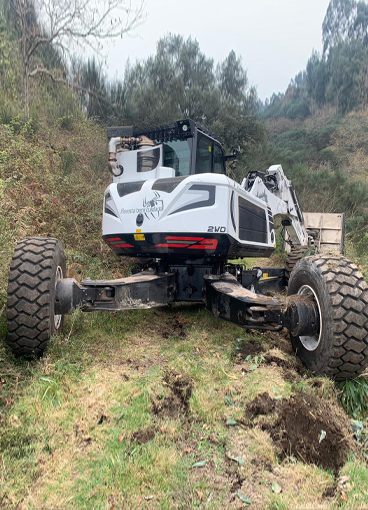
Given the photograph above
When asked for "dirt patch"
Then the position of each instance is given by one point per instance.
(263, 404)
(168, 407)
(175, 326)
(281, 341)
(308, 428)
(180, 385)
(82, 438)
(143, 436)
(292, 370)
(138, 364)
(329, 492)
(252, 348)
(177, 402)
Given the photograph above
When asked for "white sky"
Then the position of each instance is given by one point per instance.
(275, 38)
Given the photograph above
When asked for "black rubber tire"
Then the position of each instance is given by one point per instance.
(31, 295)
(342, 352)
(293, 258)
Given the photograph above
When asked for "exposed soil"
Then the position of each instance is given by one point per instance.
(143, 436)
(174, 326)
(168, 407)
(308, 428)
(281, 341)
(292, 370)
(252, 348)
(138, 364)
(234, 477)
(180, 385)
(329, 492)
(263, 404)
(177, 402)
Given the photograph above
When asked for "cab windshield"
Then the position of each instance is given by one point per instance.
(209, 156)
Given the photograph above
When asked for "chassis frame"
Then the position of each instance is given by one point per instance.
(238, 298)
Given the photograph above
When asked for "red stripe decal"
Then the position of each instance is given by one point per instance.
(122, 245)
(202, 243)
(169, 238)
(171, 245)
(112, 239)
(207, 244)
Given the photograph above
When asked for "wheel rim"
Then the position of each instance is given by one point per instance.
(311, 342)
(58, 318)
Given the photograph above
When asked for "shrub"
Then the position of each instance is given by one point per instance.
(69, 161)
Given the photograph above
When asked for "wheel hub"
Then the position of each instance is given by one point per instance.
(311, 342)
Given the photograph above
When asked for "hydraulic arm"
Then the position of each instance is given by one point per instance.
(277, 191)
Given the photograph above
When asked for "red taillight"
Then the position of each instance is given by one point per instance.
(206, 244)
(192, 243)
(170, 238)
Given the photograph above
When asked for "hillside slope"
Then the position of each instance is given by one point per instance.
(51, 184)
(150, 409)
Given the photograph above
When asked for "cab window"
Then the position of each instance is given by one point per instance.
(218, 160)
(204, 155)
(177, 156)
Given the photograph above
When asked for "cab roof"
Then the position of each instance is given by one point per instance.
(180, 130)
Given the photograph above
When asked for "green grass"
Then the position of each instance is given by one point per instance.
(68, 420)
(67, 433)
(354, 397)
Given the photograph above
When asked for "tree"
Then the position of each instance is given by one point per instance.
(317, 77)
(360, 28)
(180, 81)
(348, 67)
(233, 79)
(93, 88)
(337, 24)
(50, 31)
(345, 21)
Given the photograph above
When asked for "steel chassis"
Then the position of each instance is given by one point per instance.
(237, 295)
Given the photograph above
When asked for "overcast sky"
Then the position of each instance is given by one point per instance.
(274, 37)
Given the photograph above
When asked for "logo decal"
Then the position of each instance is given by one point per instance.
(216, 229)
(152, 206)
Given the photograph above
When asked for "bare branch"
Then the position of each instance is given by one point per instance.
(69, 84)
(68, 25)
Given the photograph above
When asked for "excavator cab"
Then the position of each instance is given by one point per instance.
(187, 147)
(190, 149)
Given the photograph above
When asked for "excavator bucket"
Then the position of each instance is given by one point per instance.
(328, 231)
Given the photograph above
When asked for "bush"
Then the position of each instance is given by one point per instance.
(69, 161)
(66, 122)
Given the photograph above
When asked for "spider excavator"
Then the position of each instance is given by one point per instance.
(172, 206)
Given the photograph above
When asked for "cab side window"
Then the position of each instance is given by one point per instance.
(204, 155)
(218, 160)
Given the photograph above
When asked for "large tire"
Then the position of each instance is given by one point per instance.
(36, 265)
(340, 348)
(296, 254)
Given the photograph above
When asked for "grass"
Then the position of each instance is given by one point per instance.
(354, 397)
(68, 420)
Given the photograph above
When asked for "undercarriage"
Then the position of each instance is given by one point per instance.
(230, 296)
